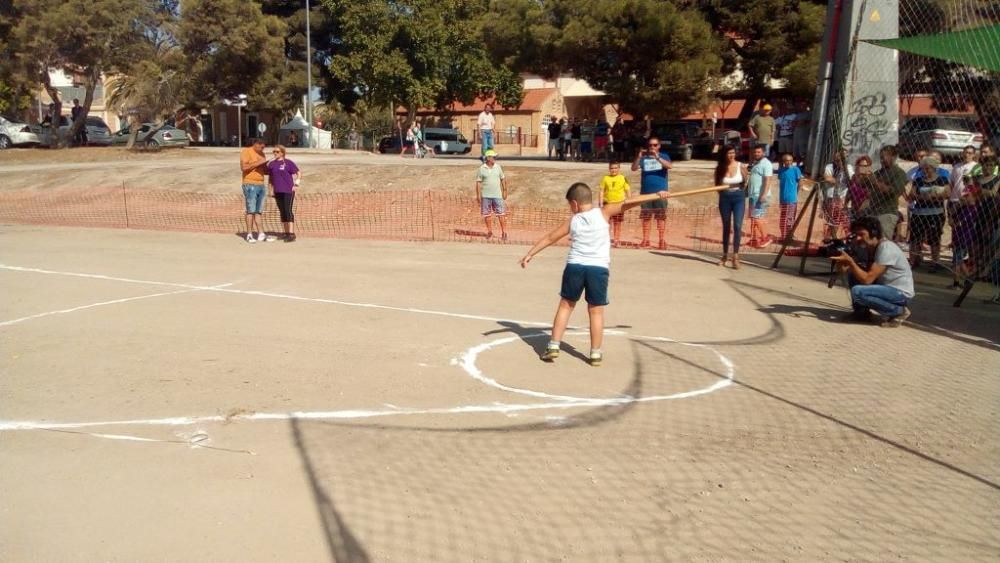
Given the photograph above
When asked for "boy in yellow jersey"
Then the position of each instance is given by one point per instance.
(615, 189)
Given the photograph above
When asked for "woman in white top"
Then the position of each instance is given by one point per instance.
(836, 184)
(732, 202)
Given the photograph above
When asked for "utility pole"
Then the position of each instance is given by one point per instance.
(309, 80)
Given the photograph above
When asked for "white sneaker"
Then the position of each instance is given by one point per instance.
(261, 236)
(250, 238)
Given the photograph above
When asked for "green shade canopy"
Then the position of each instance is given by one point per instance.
(978, 47)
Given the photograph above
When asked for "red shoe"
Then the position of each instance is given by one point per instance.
(644, 244)
(662, 245)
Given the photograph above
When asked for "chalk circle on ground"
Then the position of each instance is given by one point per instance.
(468, 362)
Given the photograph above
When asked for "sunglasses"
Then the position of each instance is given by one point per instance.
(277, 152)
(654, 144)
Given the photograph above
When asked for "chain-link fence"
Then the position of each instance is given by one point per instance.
(907, 125)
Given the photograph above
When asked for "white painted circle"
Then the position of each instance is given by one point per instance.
(468, 363)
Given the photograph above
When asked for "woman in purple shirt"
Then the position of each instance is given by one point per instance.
(283, 179)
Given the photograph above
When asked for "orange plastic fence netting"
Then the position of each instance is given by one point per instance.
(396, 215)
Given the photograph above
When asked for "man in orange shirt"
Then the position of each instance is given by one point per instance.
(253, 164)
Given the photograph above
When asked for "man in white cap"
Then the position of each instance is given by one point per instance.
(491, 191)
(762, 129)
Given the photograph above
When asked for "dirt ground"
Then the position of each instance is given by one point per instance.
(190, 397)
(533, 180)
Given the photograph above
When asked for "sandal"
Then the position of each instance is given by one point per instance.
(725, 258)
(736, 261)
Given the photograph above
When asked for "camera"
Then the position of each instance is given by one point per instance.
(834, 247)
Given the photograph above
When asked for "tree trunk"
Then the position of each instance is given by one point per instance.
(55, 140)
(90, 85)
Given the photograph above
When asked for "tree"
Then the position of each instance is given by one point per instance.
(648, 55)
(421, 53)
(84, 38)
(232, 48)
(292, 84)
(15, 89)
(768, 39)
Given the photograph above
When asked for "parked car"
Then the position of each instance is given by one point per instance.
(389, 144)
(14, 133)
(947, 134)
(167, 136)
(683, 140)
(98, 132)
(446, 141)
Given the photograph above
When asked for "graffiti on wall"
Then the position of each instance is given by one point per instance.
(867, 124)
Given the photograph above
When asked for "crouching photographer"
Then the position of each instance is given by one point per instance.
(886, 287)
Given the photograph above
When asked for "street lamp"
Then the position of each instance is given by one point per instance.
(240, 101)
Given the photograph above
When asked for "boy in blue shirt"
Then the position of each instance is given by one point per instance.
(654, 164)
(789, 181)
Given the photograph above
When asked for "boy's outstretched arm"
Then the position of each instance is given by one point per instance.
(616, 208)
(552, 237)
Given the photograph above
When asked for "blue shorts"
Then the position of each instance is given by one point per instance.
(656, 208)
(254, 194)
(577, 278)
(758, 208)
(492, 206)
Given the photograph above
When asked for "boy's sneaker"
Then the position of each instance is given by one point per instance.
(550, 354)
(262, 236)
(596, 358)
(250, 238)
(897, 320)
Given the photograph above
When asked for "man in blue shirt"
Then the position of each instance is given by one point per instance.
(654, 165)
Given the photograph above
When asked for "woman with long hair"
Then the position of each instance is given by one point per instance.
(836, 186)
(733, 174)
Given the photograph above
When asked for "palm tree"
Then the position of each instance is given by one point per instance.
(153, 88)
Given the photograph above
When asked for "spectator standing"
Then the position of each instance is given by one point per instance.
(293, 139)
(567, 137)
(929, 193)
(836, 187)
(253, 165)
(862, 185)
(486, 123)
(655, 165)
(602, 131)
(759, 193)
(555, 138)
(761, 129)
(800, 134)
(618, 138)
(283, 179)
(889, 185)
(615, 189)
(587, 140)
(409, 142)
(789, 182)
(786, 128)
(575, 131)
(962, 211)
(353, 139)
(733, 174)
(985, 177)
(76, 112)
(491, 190)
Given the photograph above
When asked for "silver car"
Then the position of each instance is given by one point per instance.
(14, 133)
(98, 132)
(947, 134)
(167, 136)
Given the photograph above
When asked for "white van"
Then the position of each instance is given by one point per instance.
(446, 141)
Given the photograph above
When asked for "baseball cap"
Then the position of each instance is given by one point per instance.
(767, 107)
(490, 152)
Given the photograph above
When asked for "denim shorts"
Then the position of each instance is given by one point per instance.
(758, 208)
(254, 194)
(577, 278)
(492, 206)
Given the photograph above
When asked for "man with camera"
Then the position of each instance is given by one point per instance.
(655, 165)
(886, 287)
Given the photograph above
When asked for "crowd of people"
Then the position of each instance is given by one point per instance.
(586, 140)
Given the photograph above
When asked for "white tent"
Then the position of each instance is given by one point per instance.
(295, 133)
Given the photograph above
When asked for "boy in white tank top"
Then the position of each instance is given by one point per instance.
(587, 263)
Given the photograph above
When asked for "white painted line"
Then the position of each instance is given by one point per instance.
(467, 361)
(100, 304)
(222, 289)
